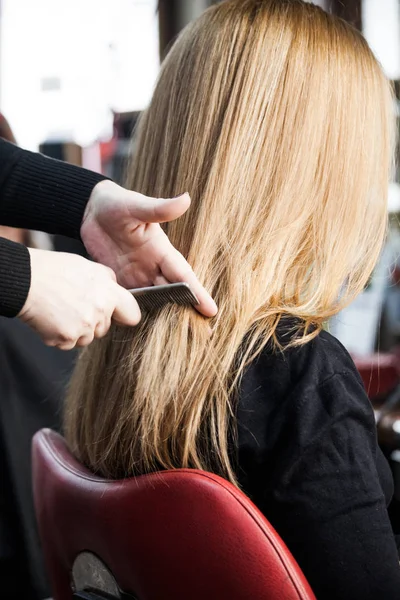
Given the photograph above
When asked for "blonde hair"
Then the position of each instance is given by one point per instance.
(277, 119)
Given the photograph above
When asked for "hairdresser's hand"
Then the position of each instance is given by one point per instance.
(72, 300)
(121, 229)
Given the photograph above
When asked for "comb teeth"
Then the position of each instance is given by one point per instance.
(155, 297)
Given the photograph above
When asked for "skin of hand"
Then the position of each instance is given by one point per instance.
(72, 300)
(121, 229)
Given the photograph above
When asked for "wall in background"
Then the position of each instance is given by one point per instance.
(65, 65)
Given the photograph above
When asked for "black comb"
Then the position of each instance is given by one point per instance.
(157, 296)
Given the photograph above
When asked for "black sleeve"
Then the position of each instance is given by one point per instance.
(42, 194)
(15, 277)
(329, 505)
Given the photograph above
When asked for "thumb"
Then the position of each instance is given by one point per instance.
(158, 210)
(126, 311)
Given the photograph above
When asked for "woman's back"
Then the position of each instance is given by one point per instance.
(308, 458)
(277, 119)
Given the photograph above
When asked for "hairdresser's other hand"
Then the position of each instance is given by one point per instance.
(73, 300)
(121, 229)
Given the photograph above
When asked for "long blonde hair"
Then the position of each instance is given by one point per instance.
(277, 119)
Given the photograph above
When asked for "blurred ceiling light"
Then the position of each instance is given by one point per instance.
(381, 27)
(394, 198)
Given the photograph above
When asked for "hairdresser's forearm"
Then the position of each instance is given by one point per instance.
(42, 194)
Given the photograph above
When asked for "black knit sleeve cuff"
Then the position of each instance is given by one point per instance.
(15, 277)
(48, 195)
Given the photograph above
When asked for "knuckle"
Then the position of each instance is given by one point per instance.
(65, 337)
(100, 333)
(109, 272)
(102, 328)
(50, 342)
(101, 307)
(88, 319)
(87, 325)
(66, 346)
(84, 341)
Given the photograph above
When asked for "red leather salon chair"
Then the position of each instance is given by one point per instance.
(175, 535)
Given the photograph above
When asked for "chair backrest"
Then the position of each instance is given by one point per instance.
(174, 535)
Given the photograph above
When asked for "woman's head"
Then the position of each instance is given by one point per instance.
(277, 119)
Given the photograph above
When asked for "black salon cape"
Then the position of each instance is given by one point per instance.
(309, 459)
